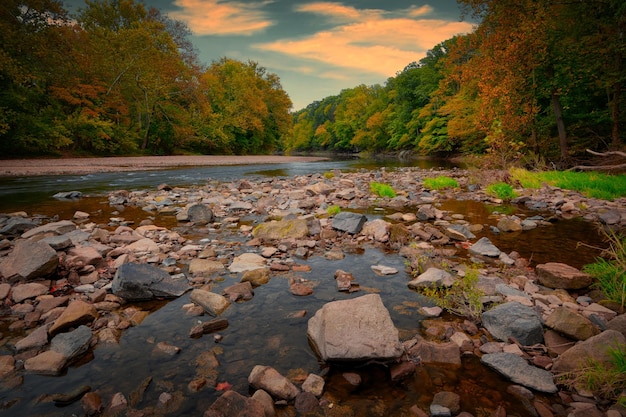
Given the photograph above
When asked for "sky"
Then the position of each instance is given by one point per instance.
(317, 48)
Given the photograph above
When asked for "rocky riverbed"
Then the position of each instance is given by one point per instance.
(68, 286)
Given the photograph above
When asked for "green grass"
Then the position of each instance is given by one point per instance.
(329, 175)
(501, 190)
(440, 183)
(591, 184)
(333, 210)
(382, 190)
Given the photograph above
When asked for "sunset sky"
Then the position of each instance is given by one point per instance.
(317, 48)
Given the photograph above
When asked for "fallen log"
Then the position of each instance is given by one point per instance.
(601, 167)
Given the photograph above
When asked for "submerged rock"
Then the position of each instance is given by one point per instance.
(354, 330)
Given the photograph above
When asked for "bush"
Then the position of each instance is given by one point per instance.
(440, 183)
(382, 190)
(501, 190)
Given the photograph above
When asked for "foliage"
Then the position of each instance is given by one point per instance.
(611, 273)
(462, 298)
(329, 175)
(440, 183)
(501, 190)
(592, 184)
(333, 210)
(606, 381)
(382, 190)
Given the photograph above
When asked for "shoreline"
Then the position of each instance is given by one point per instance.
(79, 166)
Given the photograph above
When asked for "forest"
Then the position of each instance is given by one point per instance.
(538, 80)
(119, 79)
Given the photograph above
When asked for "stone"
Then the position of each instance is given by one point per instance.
(77, 313)
(72, 344)
(595, 348)
(58, 242)
(36, 339)
(610, 217)
(29, 260)
(214, 304)
(571, 324)
(314, 384)
(306, 402)
(55, 228)
(92, 404)
(233, 404)
(23, 292)
(354, 330)
(137, 282)
(205, 267)
(401, 370)
(515, 320)
(618, 324)
(68, 195)
(282, 229)
(46, 363)
(377, 229)
(447, 353)
(143, 245)
(240, 291)
(4, 290)
(509, 224)
(266, 400)
(200, 213)
(562, 276)
(256, 277)
(349, 222)
(484, 247)
(556, 343)
(520, 372)
(384, 270)
(432, 277)
(270, 380)
(247, 262)
(450, 400)
(16, 225)
(7, 365)
(88, 255)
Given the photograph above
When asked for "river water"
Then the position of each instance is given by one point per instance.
(267, 329)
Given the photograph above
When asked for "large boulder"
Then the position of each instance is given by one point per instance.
(145, 282)
(515, 320)
(519, 371)
(562, 276)
(349, 222)
(354, 330)
(29, 260)
(282, 229)
(596, 348)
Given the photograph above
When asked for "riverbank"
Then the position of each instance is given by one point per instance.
(79, 166)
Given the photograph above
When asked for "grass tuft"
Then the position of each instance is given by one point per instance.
(382, 190)
(440, 183)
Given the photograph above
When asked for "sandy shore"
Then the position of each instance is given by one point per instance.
(28, 167)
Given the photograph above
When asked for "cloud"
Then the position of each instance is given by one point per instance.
(372, 41)
(218, 17)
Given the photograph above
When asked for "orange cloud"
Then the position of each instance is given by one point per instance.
(215, 17)
(372, 41)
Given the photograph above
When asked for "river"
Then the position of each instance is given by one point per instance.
(263, 330)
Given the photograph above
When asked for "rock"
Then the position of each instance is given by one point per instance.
(515, 320)
(214, 304)
(7, 365)
(266, 400)
(46, 363)
(349, 222)
(16, 225)
(256, 277)
(208, 327)
(282, 229)
(143, 245)
(571, 324)
(436, 353)
(401, 370)
(247, 262)
(459, 232)
(68, 195)
(484, 247)
(556, 343)
(270, 380)
(355, 329)
(519, 371)
(300, 289)
(77, 313)
(88, 255)
(240, 291)
(37, 338)
(58, 242)
(92, 404)
(72, 344)
(610, 217)
(377, 229)
(562, 276)
(145, 282)
(384, 270)
(233, 404)
(200, 213)
(595, 348)
(432, 277)
(450, 400)
(4, 290)
(165, 349)
(55, 228)
(306, 402)
(205, 267)
(23, 292)
(618, 324)
(29, 260)
(314, 384)
(509, 224)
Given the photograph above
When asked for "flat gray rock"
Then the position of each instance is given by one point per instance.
(349, 222)
(519, 371)
(515, 320)
(145, 282)
(484, 247)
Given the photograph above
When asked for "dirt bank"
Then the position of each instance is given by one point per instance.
(28, 167)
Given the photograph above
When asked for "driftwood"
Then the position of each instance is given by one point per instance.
(601, 167)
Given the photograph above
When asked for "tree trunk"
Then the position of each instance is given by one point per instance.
(560, 124)
(614, 106)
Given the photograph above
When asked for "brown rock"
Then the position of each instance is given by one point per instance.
(23, 292)
(46, 304)
(77, 313)
(87, 255)
(256, 277)
(29, 260)
(595, 348)
(233, 404)
(401, 370)
(240, 291)
(306, 402)
(7, 365)
(440, 353)
(559, 275)
(92, 403)
(46, 363)
(571, 324)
